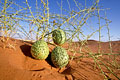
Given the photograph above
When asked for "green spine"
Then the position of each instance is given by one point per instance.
(59, 36)
(40, 50)
(59, 57)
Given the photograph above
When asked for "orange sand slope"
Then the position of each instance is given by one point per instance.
(16, 63)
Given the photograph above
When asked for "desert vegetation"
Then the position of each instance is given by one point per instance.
(31, 23)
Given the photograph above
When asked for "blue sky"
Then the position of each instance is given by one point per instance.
(113, 13)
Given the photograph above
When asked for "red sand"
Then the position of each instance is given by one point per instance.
(16, 63)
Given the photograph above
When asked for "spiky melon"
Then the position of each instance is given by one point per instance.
(59, 57)
(58, 36)
(40, 50)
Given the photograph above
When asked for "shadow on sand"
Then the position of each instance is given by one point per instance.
(26, 50)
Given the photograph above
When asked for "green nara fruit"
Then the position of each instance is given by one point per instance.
(59, 57)
(58, 36)
(40, 50)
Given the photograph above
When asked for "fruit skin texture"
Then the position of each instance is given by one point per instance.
(40, 50)
(59, 36)
(59, 57)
